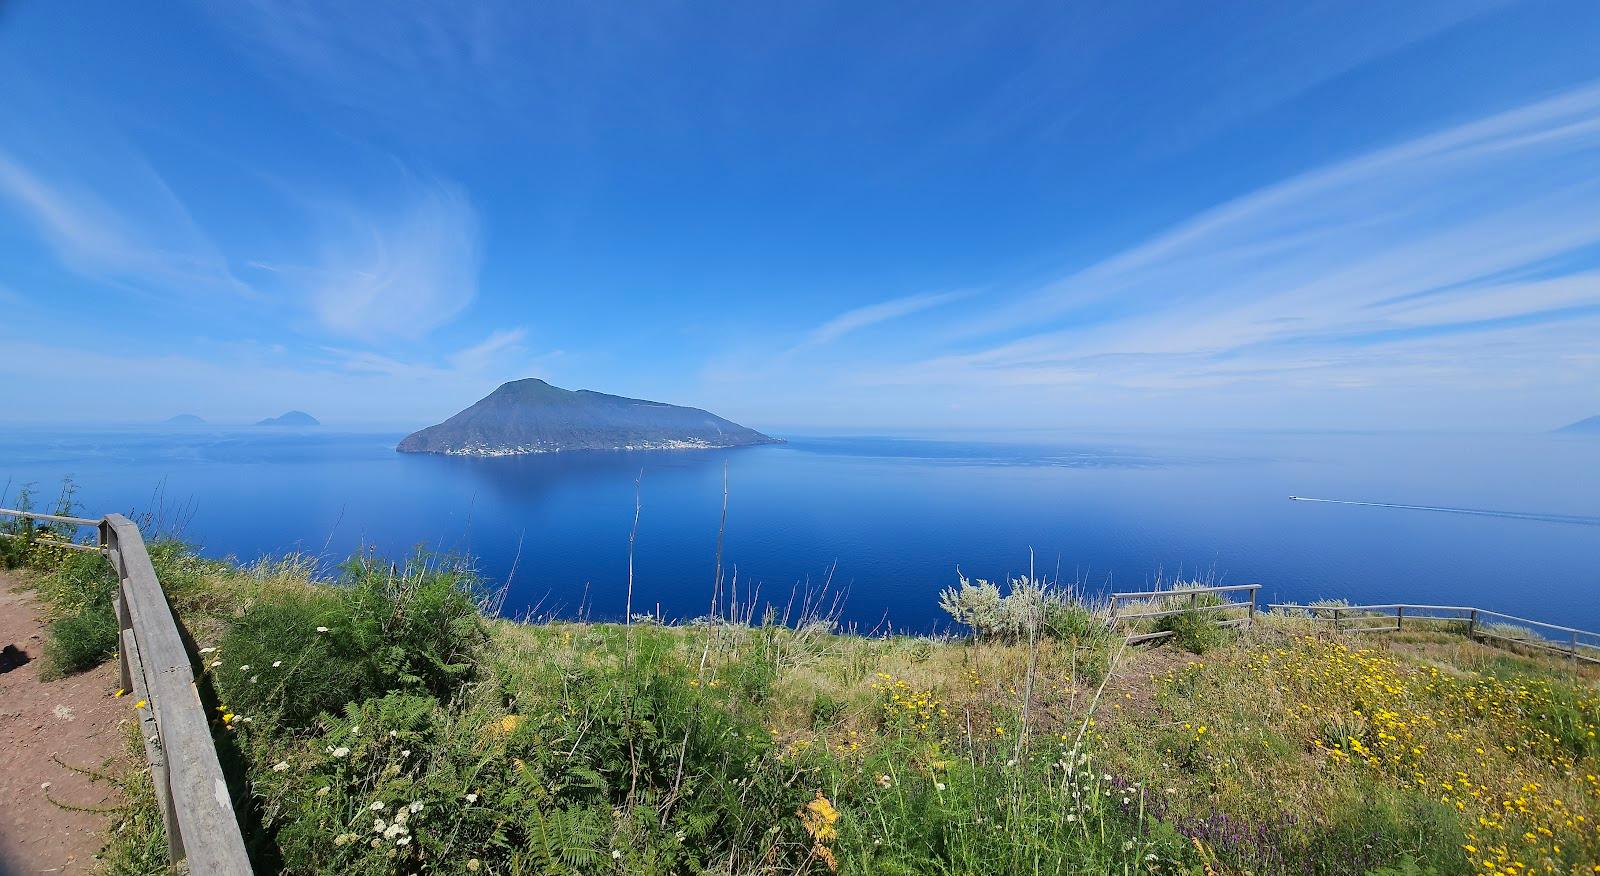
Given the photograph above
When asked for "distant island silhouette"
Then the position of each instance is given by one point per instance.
(531, 416)
(184, 420)
(291, 418)
(1590, 426)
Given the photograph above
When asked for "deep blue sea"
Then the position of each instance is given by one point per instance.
(892, 518)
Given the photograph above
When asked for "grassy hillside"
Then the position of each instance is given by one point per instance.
(380, 723)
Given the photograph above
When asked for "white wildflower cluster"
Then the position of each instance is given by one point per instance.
(396, 828)
(216, 661)
(1082, 784)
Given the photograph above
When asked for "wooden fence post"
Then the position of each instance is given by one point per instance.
(1399, 617)
(1252, 622)
(1472, 625)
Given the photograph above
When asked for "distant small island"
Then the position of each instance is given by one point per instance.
(291, 418)
(531, 416)
(184, 420)
(1591, 426)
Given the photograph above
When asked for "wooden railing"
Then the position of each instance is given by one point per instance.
(46, 536)
(1480, 623)
(1186, 599)
(196, 807)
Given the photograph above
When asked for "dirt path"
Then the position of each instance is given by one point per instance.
(46, 726)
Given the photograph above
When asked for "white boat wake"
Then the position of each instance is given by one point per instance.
(1514, 515)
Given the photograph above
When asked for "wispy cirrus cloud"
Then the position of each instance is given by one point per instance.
(397, 272)
(393, 262)
(499, 343)
(396, 58)
(428, 70)
(874, 314)
(503, 354)
(146, 239)
(1486, 227)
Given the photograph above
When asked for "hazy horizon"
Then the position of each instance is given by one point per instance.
(976, 432)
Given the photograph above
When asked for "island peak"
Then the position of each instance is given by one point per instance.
(533, 416)
(291, 418)
(1590, 426)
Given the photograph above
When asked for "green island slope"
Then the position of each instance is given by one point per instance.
(379, 722)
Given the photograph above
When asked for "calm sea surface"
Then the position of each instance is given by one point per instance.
(892, 518)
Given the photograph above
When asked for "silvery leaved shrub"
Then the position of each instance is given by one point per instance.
(979, 605)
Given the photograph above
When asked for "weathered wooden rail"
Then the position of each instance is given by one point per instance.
(48, 537)
(157, 669)
(1186, 599)
(1480, 623)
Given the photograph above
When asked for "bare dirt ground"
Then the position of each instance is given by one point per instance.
(52, 817)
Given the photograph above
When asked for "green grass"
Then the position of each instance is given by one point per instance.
(376, 723)
(83, 628)
(379, 628)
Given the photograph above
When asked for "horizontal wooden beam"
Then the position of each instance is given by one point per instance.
(55, 542)
(1386, 606)
(1151, 594)
(1522, 620)
(1243, 606)
(53, 518)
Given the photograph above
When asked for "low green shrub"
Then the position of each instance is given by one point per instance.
(1195, 631)
(302, 653)
(76, 586)
(419, 620)
(81, 640)
(13, 548)
(83, 629)
(1071, 620)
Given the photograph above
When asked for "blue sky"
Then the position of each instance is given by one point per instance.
(808, 216)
